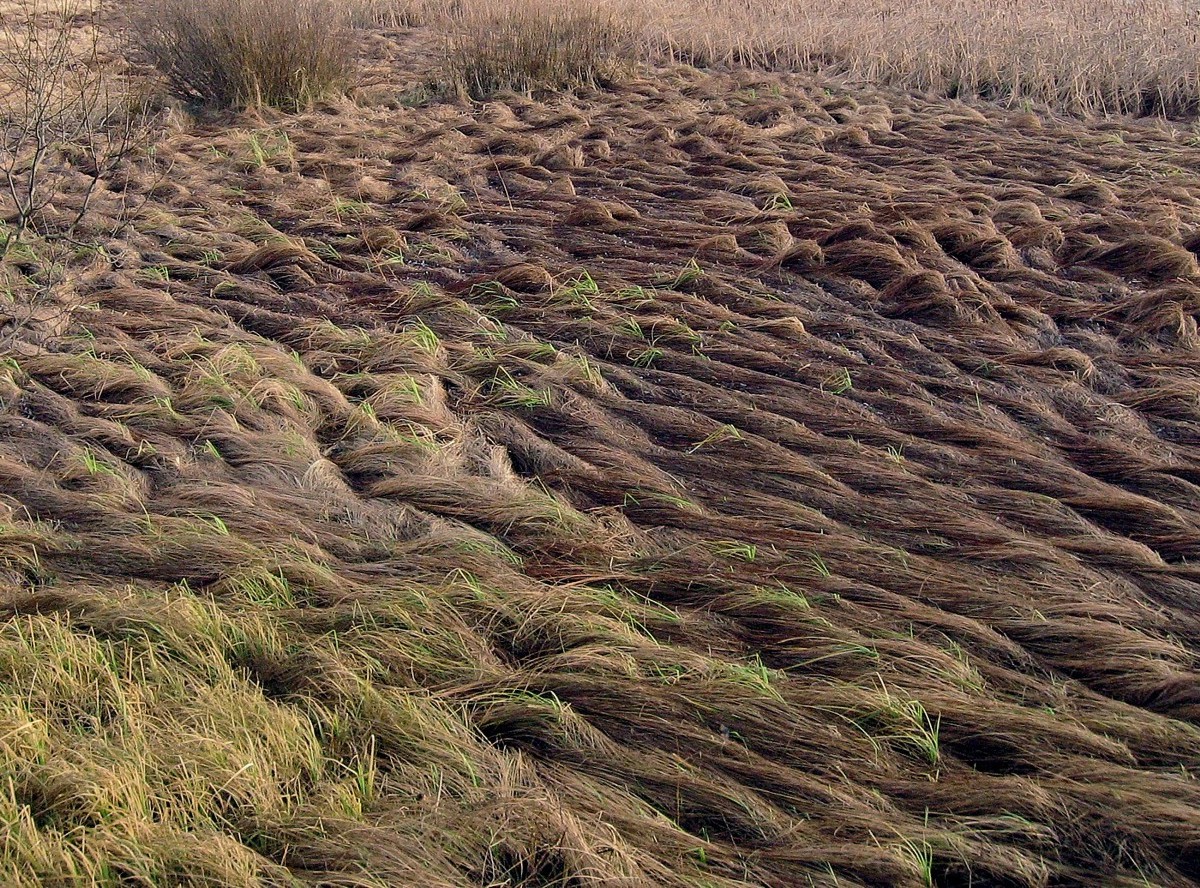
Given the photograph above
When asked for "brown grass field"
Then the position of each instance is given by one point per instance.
(722, 478)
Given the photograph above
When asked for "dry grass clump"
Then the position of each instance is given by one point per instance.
(539, 44)
(70, 122)
(232, 53)
(399, 13)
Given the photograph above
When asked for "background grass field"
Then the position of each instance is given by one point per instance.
(1111, 56)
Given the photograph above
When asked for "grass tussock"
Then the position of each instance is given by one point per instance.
(237, 53)
(539, 45)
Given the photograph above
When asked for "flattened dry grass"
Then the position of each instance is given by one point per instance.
(725, 479)
(550, 45)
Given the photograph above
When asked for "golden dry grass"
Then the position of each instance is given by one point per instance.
(724, 478)
(1105, 57)
(1110, 56)
(238, 53)
(556, 44)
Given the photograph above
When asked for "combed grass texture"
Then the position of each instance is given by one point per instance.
(726, 478)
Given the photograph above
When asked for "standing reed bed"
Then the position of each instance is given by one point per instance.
(1106, 57)
(1109, 57)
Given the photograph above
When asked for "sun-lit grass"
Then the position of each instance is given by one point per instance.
(1108, 57)
(550, 44)
(1112, 56)
(229, 53)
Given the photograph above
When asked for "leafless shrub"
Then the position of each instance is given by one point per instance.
(63, 114)
(68, 122)
(231, 53)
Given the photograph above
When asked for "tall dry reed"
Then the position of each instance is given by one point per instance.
(1103, 57)
(223, 53)
(552, 44)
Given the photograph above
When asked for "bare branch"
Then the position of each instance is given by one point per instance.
(67, 122)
